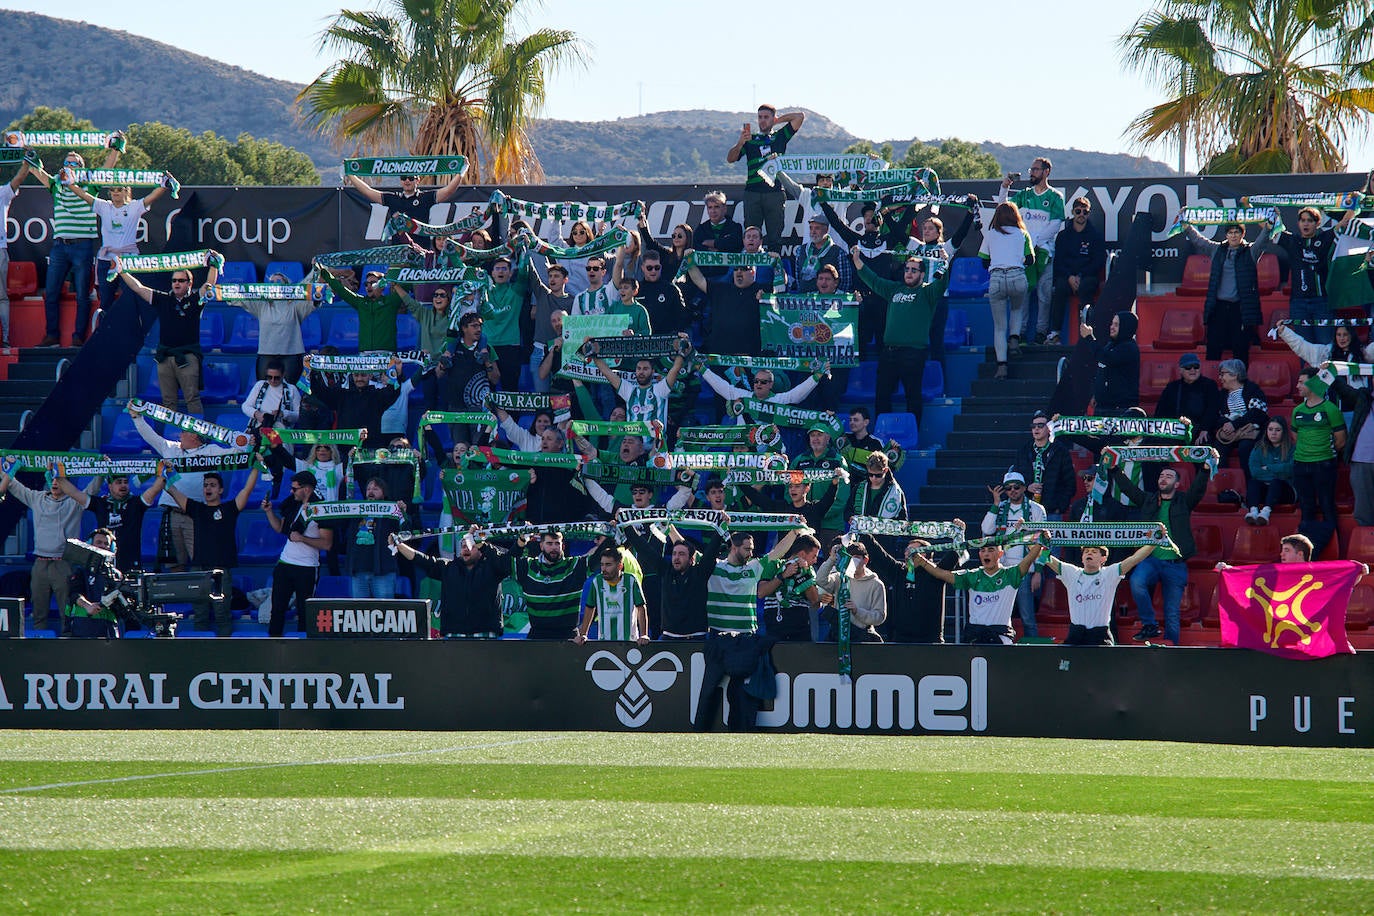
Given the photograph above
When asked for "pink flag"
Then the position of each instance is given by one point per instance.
(1296, 610)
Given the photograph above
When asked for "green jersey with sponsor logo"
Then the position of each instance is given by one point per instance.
(991, 597)
(615, 605)
(732, 593)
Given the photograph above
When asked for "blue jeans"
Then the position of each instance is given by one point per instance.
(1025, 608)
(1304, 308)
(1174, 576)
(373, 585)
(72, 256)
(537, 357)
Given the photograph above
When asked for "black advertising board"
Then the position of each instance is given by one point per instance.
(1209, 695)
(367, 618)
(11, 618)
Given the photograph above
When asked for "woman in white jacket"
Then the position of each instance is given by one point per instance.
(1345, 348)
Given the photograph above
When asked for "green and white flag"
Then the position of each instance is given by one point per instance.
(783, 414)
(796, 327)
(475, 496)
(396, 166)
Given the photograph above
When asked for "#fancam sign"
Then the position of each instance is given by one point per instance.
(367, 618)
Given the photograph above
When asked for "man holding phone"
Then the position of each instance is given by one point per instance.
(763, 201)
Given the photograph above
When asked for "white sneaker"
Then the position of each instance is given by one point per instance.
(1263, 516)
(1053, 339)
(1252, 517)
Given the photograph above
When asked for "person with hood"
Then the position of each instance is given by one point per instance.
(1047, 468)
(1231, 310)
(1117, 385)
(867, 598)
(916, 609)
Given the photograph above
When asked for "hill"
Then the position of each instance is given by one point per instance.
(186, 90)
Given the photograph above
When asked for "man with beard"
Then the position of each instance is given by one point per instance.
(120, 513)
(552, 584)
(468, 605)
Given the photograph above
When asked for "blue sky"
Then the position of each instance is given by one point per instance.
(1016, 73)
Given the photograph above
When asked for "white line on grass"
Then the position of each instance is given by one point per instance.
(272, 766)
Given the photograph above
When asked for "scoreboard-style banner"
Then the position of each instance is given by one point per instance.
(295, 224)
(1207, 695)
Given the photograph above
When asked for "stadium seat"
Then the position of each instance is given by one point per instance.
(933, 382)
(238, 272)
(293, 270)
(1156, 372)
(968, 279)
(312, 332)
(22, 279)
(220, 380)
(148, 538)
(1361, 545)
(1268, 270)
(211, 330)
(898, 426)
(1274, 376)
(1179, 329)
(243, 335)
(1223, 479)
(863, 382)
(956, 328)
(1360, 611)
(1255, 545)
(260, 543)
(333, 587)
(1272, 318)
(1054, 603)
(1197, 272)
(1207, 537)
(343, 332)
(407, 332)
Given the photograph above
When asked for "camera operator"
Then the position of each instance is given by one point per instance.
(271, 402)
(88, 616)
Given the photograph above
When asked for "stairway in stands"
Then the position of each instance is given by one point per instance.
(29, 375)
(993, 422)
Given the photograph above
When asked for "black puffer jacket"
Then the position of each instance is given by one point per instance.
(1117, 385)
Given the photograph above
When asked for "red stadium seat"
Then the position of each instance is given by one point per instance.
(1207, 537)
(22, 279)
(1054, 603)
(1223, 479)
(1361, 545)
(1360, 611)
(1197, 273)
(1274, 376)
(1155, 373)
(1179, 329)
(1268, 270)
(1255, 545)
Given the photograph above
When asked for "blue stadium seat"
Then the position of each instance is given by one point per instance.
(243, 335)
(238, 272)
(333, 587)
(147, 373)
(968, 279)
(407, 332)
(211, 330)
(956, 328)
(402, 587)
(260, 543)
(220, 380)
(147, 544)
(897, 426)
(121, 438)
(293, 270)
(933, 383)
(863, 381)
(312, 332)
(343, 331)
(231, 419)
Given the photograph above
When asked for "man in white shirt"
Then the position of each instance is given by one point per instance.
(272, 402)
(299, 564)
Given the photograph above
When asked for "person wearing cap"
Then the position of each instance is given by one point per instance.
(763, 200)
(1007, 516)
(1194, 396)
(1231, 310)
(413, 201)
(1047, 468)
(1320, 434)
(819, 250)
(821, 454)
(377, 308)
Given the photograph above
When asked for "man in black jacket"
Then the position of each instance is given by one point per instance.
(683, 572)
(1194, 396)
(1047, 467)
(1079, 256)
(1165, 565)
(468, 608)
(1231, 311)
(916, 599)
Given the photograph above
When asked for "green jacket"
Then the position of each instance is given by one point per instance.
(909, 309)
(376, 317)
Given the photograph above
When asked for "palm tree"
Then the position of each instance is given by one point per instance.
(439, 77)
(1260, 85)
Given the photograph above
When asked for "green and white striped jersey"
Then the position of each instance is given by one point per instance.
(732, 593)
(615, 605)
(72, 217)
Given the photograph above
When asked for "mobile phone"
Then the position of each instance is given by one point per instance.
(1014, 176)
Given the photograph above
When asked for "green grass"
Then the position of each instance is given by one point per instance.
(248, 822)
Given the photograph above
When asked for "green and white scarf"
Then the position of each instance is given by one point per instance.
(1127, 427)
(410, 276)
(1334, 200)
(119, 178)
(78, 464)
(1332, 371)
(759, 436)
(382, 254)
(741, 477)
(633, 473)
(395, 166)
(925, 178)
(353, 437)
(165, 263)
(1220, 216)
(560, 405)
(240, 292)
(57, 139)
(1022, 538)
(353, 508)
(653, 346)
(202, 428)
(1116, 455)
(446, 417)
(199, 464)
(842, 619)
(783, 414)
(565, 211)
(895, 527)
(406, 456)
(710, 519)
(604, 243)
(816, 366)
(617, 429)
(817, 301)
(764, 521)
(16, 155)
(572, 530)
(730, 259)
(869, 195)
(1103, 534)
(819, 164)
(399, 223)
(718, 460)
(509, 457)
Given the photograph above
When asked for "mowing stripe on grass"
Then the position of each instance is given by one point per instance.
(665, 831)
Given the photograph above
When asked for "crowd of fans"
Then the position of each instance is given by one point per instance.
(668, 580)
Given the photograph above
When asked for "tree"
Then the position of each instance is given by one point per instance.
(953, 158)
(1259, 85)
(866, 148)
(439, 77)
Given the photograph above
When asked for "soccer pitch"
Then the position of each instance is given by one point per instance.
(276, 821)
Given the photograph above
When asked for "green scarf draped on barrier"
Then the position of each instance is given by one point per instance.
(783, 414)
(481, 496)
(395, 166)
(1127, 427)
(165, 263)
(567, 210)
(383, 254)
(202, 428)
(121, 178)
(353, 508)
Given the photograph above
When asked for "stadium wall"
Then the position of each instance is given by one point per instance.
(1205, 695)
(294, 224)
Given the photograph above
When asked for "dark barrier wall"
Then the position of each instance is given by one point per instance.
(294, 224)
(1209, 695)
